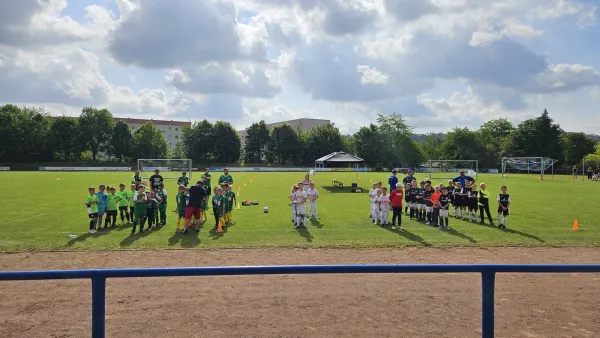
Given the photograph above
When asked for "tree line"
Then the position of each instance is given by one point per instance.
(31, 135)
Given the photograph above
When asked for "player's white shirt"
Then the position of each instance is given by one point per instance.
(300, 197)
(384, 202)
(306, 184)
(312, 195)
(373, 195)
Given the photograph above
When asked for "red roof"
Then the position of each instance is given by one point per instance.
(156, 122)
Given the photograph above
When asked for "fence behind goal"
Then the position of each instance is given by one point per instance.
(488, 279)
(169, 168)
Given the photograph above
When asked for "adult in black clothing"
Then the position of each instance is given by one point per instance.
(197, 195)
(156, 180)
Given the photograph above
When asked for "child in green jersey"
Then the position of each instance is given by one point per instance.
(181, 205)
(130, 194)
(217, 204)
(203, 209)
(91, 202)
(139, 202)
(122, 193)
(229, 203)
(111, 207)
(162, 207)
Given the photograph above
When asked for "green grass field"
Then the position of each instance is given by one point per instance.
(38, 211)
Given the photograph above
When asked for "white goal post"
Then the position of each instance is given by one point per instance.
(529, 164)
(170, 168)
(448, 169)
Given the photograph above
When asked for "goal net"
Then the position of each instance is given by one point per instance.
(449, 169)
(169, 168)
(527, 164)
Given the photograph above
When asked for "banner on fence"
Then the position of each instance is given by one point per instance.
(258, 169)
(4, 168)
(85, 168)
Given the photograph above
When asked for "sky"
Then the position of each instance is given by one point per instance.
(440, 63)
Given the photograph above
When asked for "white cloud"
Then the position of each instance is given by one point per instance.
(439, 62)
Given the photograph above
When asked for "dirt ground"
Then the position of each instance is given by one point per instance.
(410, 305)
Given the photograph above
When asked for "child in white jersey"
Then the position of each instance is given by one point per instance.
(378, 207)
(372, 196)
(300, 205)
(312, 195)
(384, 207)
(292, 197)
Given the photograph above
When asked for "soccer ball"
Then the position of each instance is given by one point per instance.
(265, 210)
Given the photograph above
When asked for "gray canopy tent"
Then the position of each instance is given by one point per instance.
(337, 159)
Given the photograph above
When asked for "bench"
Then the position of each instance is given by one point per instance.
(337, 183)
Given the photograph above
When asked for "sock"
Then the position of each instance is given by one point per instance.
(470, 216)
(504, 221)
(134, 226)
(462, 213)
(455, 212)
(446, 218)
(405, 210)
(429, 218)
(178, 223)
(499, 221)
(316, 214)
(92, 222)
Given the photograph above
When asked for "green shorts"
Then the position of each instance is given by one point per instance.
(181, 213)
(139, 213)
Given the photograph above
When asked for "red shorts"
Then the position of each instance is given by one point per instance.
(192, 211)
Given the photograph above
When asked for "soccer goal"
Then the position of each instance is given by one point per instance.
(169, 168)
(448, 169)
(528, 164)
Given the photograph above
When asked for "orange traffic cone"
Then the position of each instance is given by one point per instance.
(575, 225)
(220, 226)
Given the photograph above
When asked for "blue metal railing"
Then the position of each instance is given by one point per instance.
(488, 278)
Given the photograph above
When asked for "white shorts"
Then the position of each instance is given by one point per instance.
(300, 209)
(429, 209)
(421, 206)
(443, 212)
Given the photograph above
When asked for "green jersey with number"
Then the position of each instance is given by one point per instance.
(130, 194)
(226, 179)
(139, 206)
(207, 183)
(124, 198)
(163, 196)
(92, 208)
(183, 180)
(181, 201)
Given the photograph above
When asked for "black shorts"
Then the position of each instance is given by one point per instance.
(458, 201)
(502, 211)
(93, 215)
(131, 209)
(473, 204)
(111, 212)
(123, 208)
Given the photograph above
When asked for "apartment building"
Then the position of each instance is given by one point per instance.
(298, 124)
(172, 130)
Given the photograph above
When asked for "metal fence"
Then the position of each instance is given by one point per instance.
(488, 278)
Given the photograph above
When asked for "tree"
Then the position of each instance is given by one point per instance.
(538, 137)
(226, 147)
(368, 143)
(320, 141)
(431, 147)
(257, 140)
(178, 151)
(121, 141)
(399, 148)
(284, 146)
(198, 141)
(495, 136)
(9, 149)
(95, 128)
(149, 142)
(65, 138)
(575, 147)
(462, 144)
(33, 127)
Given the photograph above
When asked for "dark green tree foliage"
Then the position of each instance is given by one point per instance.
(178, 151)
(66, 144)
(121, 141)
(537, 137)
(496, 137)
(284, 146)
(25, 134)
(226, 145)
(198, 141)
(348, 144)
(257, 142)
(149, 142)
(575, 147)
(321, 141)
(431, 147)
(399, 149)
(368, 143)
(462, 144)
(95, 128)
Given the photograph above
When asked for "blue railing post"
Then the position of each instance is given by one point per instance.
(488, 281)
(98, 306)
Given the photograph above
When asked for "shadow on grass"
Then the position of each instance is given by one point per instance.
(408, 235)
(344, 190)
(516, 232)
(126, 226)
(453, 232)
(85, 236)
(190, 240)
(316, 224)
(134, 237)
(306, 234)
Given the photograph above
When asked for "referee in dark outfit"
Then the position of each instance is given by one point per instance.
(408, 180)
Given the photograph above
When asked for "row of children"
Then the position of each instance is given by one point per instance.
(302, 195)
(107, 201)
(431, 204)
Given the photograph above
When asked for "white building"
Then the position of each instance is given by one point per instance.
(298, 124)
(172, 130)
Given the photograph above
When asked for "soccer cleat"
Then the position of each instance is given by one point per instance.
(92, 231)
(427, 223)
(393, 227)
